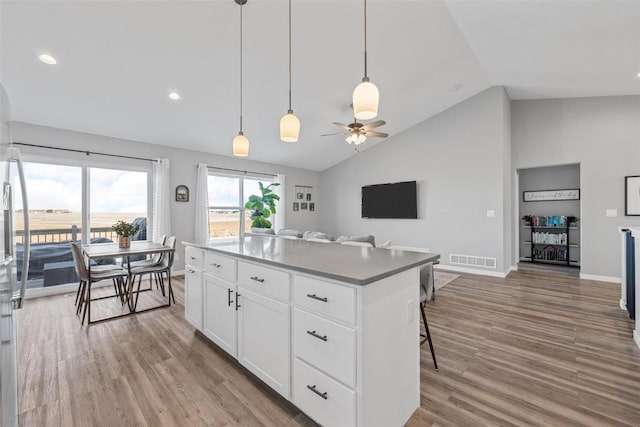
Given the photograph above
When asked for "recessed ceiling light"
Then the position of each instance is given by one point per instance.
(638, 75)
(47, 59)
(174, 96)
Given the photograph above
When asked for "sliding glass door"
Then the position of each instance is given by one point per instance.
(64, 201)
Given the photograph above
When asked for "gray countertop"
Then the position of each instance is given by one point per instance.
(352, 264)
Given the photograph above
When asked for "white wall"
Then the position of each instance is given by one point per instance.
(183, 170)
(603, 135)
(458, 158)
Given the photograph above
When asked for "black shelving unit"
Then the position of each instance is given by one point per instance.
(552, 253)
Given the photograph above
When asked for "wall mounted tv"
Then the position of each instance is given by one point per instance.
(397, 200)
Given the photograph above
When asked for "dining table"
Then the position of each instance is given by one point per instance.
(101, 251)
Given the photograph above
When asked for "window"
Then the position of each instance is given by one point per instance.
(227, 196)
(66, 200)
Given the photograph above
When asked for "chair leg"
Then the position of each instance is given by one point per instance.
(426, 327)
(81, 301)
(78, 293)
(171, 295)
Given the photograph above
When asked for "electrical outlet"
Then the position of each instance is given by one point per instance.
(491, 213)
(611, 213)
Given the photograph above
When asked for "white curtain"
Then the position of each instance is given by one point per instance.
(281, 210)
(202, 204)
(161, 206)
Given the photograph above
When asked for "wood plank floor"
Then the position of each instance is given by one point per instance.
(531, 349)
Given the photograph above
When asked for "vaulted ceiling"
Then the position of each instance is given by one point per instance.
(118, 60)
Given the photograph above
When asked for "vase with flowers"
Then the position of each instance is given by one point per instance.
(124, 230)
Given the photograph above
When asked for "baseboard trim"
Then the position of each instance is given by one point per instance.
(457, 269)
(636, 337)
(623, 304)
(513, 268)
(610, 279)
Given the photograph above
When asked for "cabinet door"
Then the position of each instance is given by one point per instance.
(220, 313)
(193, 296)
(264, 339)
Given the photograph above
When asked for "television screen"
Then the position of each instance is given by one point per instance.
(397, 200)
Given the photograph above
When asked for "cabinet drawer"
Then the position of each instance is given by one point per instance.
(220, 266)
(325, 345)
(193, 257)
(326, 401)
(328, 299)
(264, 280)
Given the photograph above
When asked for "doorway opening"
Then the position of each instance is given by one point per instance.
(549, 226)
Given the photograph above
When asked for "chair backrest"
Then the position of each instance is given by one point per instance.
(167, 258)
(80, 265)
(363, 244)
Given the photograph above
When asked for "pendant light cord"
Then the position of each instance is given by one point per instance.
(241, 7)
(365, 39)
(290, 110)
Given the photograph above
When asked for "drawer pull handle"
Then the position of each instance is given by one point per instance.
(237, 300)
(229, 302)
(216, 265)
(314, 296)
(320, 337)
(313, 389)
(192, 257)
(191, 271)
(257, 279)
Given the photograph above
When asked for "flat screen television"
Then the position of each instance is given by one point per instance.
(397, 200)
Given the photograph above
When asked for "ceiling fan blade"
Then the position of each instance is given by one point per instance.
(329, 134)
(374, 124)
(376, 134)
(340, 125)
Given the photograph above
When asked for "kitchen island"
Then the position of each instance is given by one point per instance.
(332, 328)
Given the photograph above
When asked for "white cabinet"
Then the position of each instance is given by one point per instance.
(264, 339)
(193, 296)
(220, 313)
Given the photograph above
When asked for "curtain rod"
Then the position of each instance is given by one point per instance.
(242, 172)
(81, 151)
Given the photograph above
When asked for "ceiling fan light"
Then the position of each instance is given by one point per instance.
(240, 145)
(365, 100)
(289, 127)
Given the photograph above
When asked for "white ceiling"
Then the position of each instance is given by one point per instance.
(117, 61)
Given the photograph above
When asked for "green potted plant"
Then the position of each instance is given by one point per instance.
(262, 206)
(124, 230)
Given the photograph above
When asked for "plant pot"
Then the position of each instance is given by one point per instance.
(124, 242)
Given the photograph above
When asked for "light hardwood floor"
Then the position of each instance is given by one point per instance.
(531, 349)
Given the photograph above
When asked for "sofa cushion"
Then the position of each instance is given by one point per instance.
(365, 238)
(289, 232)
(317, 235)
(257, 230)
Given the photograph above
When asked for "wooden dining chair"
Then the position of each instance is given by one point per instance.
(98, 273)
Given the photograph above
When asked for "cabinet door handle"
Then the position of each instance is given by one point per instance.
(257, 279)
(191, 271)
(237, 300)
(320, 337)
(229, 302)
(314, 296)
(313, 389)
(216, 265)
(192, 257)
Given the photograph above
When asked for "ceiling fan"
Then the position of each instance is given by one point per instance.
(357, 133)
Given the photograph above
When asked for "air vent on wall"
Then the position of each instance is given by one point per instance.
(473, 261)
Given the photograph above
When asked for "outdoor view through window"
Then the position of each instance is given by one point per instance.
(55, 213)
(226, 210)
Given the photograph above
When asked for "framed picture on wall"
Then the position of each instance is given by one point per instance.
(308, 197)
(632, 195)
(303, 206)
(296, 206)
(299, 196)
(312, 206)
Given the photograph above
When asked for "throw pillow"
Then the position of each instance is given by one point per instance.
(289, 232)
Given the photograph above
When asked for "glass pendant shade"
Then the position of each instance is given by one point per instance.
(240, 145)
(365, 100)
(289, 127)
(356, 139)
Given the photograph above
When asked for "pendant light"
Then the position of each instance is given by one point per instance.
(366, 94)
(289, 123)
(241, 142)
